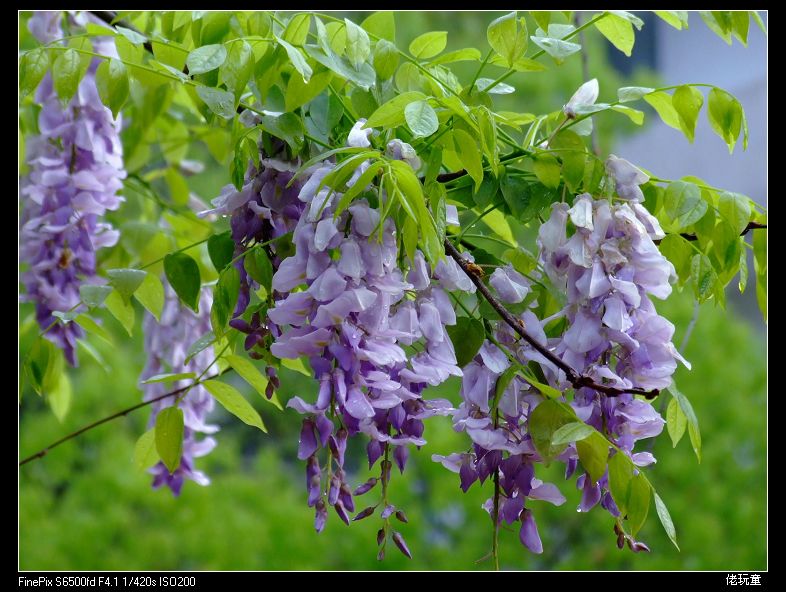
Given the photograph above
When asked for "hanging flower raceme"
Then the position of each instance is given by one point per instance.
(166, 343)
(350, 309)
(76, 169)
(609, 267)
(494, 413)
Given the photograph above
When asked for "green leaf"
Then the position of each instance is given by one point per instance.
(638, 502)
(676, 18)
(231, 400)
(112, 83)
(358, 44)
(220, 102)
(467, 336)
(725, 115)
(571, 150)
(661, 102)
(501, 385)
(421, 119)
(632, 93)
(135, 37)
(683, 205)
(385, 59)
(126, 281)
(760, 267)
(297, 365)
(298, 61)
(381, 24)
(547, 170)
(735, 209)
(67, 71)
(169, 436)
(687, 102)
(122, 310)
(32, 68)
(182, 273)
(676, 422)
(519, 65)
(297, 28)
(357, 188)
(206, 59)
(150, 294)
(703, 276)
(59, 396)
(620, 477)
(93, 296)
(259, 268)
(542, 18)
(428, 44)
(225, 296)
(238, 67)
(299, 93)
(506, 38)
(556, 48)
(693, 422)
(246, 369)
(145, 453)
(740, 22)
(665, 519)
(467, 54)
(91, 326)
(221, 249)
(593, 454)
(498, 89)
(391, 113)
(169, 377)
(571, 432)
(755, 15)
(544, 420)
(719, 23)
(469, 154)
(619, 31)
(199, 345)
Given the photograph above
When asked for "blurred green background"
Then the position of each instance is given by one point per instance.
(84, 506)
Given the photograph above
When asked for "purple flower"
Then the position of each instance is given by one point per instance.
(76, 169)
(167, 343)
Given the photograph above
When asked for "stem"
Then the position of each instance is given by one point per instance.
(480, 69)
(576, 379)
(586, 76)
(44, 451)
(186, 248)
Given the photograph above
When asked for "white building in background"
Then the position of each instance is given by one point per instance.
(700, 56)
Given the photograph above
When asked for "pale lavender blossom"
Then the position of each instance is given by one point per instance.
(166, 344)
(76, 170)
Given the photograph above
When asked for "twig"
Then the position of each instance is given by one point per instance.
(692, 237)
(586, 76)
(44, 451)
(576, 379)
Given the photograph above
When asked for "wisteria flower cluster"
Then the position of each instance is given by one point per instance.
(353, 319)
(76, 169)
(608, 266)
(166, 344)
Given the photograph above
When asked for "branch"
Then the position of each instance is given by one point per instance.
(44, 451)
(576, 379)
(692, 237)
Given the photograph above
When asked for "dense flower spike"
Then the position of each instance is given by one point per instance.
(167, 344)
(608, 265)
(76, 169)
(350, 309)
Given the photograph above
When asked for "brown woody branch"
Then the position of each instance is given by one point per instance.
(692, 237)
(576, 379)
